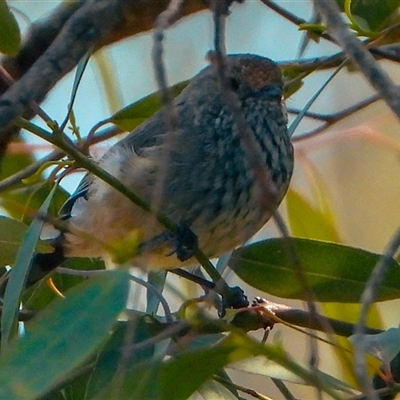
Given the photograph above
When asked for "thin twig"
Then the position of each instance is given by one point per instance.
(23, 315)
(309, 295)
(147, 285)
(392, 390)
(175, 329)
(266, 190)
(160, 297)
(79, 272)
(252, 392)
(283, 389)
(55, 155)
(357, 52)
(367, 298)
(301, 318)
(332, 118)
(164, 20)
(291, 17)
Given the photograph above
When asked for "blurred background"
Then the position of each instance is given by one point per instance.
(354, 165)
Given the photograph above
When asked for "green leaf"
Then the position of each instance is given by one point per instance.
(178, 378)
(65, 334)
(293, 77)
(263, 366)
(23, 202)
(307, 221)
(216, 391)
(181, 369)
(175, 379)
(373, 12)
(12, 233)
(109, 362)
(19, 274)
(10, 37)
(247, 348)
(40, 295)
(335, 273)
(133, 115)
(12, 163)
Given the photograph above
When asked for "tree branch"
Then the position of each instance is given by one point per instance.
(356, 51)
(55, 46)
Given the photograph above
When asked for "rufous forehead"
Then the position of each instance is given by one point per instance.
(260, 73)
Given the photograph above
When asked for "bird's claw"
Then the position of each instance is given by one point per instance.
(184, 242)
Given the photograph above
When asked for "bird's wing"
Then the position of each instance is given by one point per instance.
(80, 193)
(145, 136)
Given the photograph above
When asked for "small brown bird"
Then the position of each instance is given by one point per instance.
(199, 175)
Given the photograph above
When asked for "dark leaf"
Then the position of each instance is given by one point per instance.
(67, 332)
(335, 273)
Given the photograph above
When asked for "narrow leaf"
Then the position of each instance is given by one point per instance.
(11, 235)
(40, 296)
(10, 37)
(306, 221)
(133, 115)
(318, 223)
(374, 12)
(67, 332)
(19, 273)
(115, 356)
(335, 273)
(263, 366)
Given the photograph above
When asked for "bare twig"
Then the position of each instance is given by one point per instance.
(160, 297)
(265, 187)
(283, 389)
(147, 285)
(23, 315)
(302, 318)
(164, 20)
(357, 52)
(251, 392)
(86, 24)
(291, 17)
(367, 298)
(55, 155)
(332, 119)
(174, 329)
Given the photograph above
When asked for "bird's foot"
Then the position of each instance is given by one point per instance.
(183, 242)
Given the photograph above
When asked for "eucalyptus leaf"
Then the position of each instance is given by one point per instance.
(11, 235)
(65, 334)
(374, 12)
(115, 356)
(263, 366)
(334, 272)
(41, 295)
(19, 274)
(10, 36)
(133, 115)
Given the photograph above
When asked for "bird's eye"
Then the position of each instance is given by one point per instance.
(233, 84)
(272, 92)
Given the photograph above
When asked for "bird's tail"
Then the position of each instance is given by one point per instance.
(41, 265)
